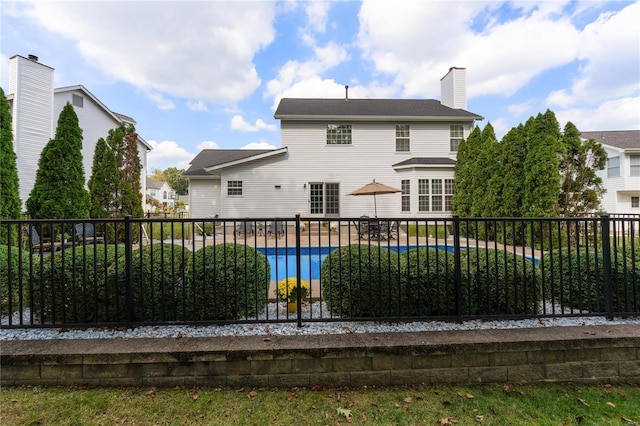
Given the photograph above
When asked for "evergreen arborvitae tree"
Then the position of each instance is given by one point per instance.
(542, 163)
(10, 204)
(486, 166)
(511, 173)
(581, 188)
(59, 191)
(463, 179)
(103, 183)
(131, 196)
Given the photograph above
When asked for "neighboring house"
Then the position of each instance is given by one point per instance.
(621, 178)
(35, 106)
(162, 193)
(331, 147)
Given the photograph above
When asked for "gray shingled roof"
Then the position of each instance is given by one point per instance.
(426, 161)
(625, 139)
(214, 157)
(301, 108)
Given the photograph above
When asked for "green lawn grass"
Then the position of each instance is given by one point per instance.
(547, 404)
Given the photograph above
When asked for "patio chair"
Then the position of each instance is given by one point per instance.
(276, 227)
(38, 244)
(392, 232)
(363, 228)
(245, 228)
(85, 233)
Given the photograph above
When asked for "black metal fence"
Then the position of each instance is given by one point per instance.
(130, 272)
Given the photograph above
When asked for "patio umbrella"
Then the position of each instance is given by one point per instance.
(374, 188)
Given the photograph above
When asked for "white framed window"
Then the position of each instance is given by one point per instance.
(456, 133)
(448, 194)
(77, 100)
(423, 195)
(635, 202)
(436, 195)
(234, 188)
(338, 134)
(402, 138)
(406, 195)
(634, 165)
(613, 167)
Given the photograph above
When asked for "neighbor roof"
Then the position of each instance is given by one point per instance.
(210, 158)
(625, 139)
(368, 109)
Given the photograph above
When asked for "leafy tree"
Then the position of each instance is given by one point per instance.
(156, 175)
(10, 204)
(581, 188)
(174, 177)
(59, 191)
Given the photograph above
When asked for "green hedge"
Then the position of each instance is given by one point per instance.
(226, 282)
(576, 279)
(5, 262)
(428, 279)
(73, 286)
(497, 282)
(157, 281)
(362, 281)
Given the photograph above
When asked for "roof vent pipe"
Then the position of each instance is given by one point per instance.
(346, 93)
(33, 58)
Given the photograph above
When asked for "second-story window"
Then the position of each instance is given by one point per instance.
(402, 138)
(634, 165)
(613, 167)
(338, 134)
(234, 187)
(456, 133)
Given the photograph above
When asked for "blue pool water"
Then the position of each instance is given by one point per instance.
(282, 260)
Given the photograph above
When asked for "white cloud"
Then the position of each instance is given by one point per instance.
(196, 106)
(203, 51)
(259, 145)
(520, 109)
(167, 154)
(560, 98)
(207, 145)
(238, 123)
(619, 114)
(161, 102)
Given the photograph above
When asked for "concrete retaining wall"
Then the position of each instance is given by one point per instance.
(559, 354)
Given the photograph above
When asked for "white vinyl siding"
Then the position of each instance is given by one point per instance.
(204, 198)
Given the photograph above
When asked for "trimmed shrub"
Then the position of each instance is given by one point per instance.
(226, 282)
(9, 264)
(497, 282)
(576, 279)
(73, 286)
(362, 281)
(428, 280)
(157, 281)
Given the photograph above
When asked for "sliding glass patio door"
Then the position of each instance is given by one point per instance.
(324, 199)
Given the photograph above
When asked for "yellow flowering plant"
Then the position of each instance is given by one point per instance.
(287, 290)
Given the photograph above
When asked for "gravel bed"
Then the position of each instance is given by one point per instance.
(263, 329)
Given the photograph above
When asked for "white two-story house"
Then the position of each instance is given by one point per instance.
(35, 107)
(162, 193)
(331, 147)
(621, 178)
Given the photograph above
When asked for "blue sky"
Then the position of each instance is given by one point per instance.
(209, 74)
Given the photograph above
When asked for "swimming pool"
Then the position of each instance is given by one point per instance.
(282, 260)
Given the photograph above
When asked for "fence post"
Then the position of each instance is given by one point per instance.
(298, 272)
(128, 256)
(606, 264)
(457, 267)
